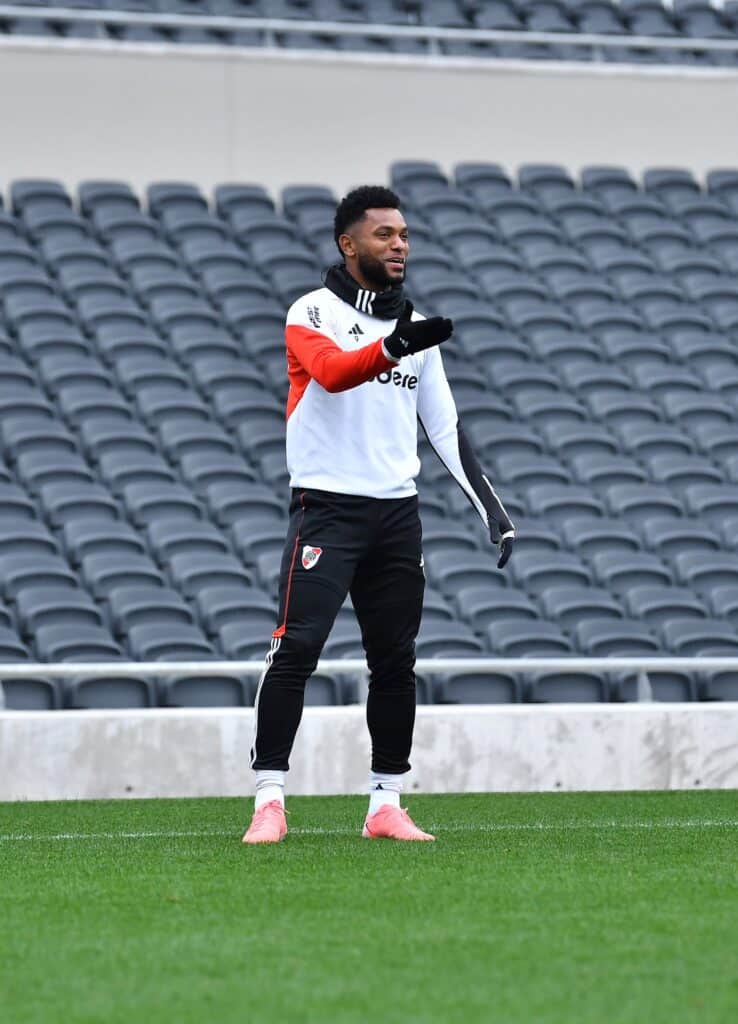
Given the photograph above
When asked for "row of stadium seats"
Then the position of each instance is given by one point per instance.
(461, 687)
(594, 363)
(682, 19)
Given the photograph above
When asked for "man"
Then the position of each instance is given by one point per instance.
(363, 369)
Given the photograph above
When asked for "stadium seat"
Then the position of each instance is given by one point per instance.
(31, 694)
(104, 692)
(130, 605)
(694, 636)
(58, 606)
(447, 640)
(704, 570)
(480, 606)
(207, 691)
(512, 638)
(84, 536)
(146, 502)
(467, 687)
(168, 641)
(566, 688)
(569, 605)
(663, 686)
(190, 572)
(104, 572)
(54, 642)
(606, 637)
(587, 535)
(248, 606)
(619, 571)
(33, 569)
(167, 537)
(667, 536)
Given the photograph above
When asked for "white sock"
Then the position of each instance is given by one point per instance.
(269, 786)
(384, 789)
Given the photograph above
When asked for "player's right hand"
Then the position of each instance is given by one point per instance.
(410, 336)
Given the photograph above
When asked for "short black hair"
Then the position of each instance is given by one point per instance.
(354, 206)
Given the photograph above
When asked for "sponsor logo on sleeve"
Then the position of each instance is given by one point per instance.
(314, 316)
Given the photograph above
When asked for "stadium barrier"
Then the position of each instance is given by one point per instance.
(433, 36)
(179, 752)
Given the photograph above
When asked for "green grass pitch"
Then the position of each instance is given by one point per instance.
(529, 909)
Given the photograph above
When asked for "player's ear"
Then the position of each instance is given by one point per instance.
(346, 245)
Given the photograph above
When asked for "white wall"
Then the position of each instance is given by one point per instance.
(92, 110)
(62, 755)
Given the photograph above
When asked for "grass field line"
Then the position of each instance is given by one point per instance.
(542, 826)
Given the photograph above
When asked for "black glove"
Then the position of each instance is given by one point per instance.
(502, 532)
(411, 336)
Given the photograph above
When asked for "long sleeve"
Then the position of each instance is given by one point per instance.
(332, 367)
(440, 421)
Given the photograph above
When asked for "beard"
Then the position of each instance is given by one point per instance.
(376, 273)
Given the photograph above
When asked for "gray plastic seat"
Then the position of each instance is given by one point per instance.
(30, 694)
(247, 606)
(129, 606)
(178, 437)
(103, 692)
(712, 501)
(83, 536)
(535, 572)
(480, 606)
(228, 503)
(105, 571)
(607, 637)
(512, 638)
(168, 537)
(118, 470)
(100, 434)
(145, 502)
(722, 602)
(83, 643)
(589, 534)
(704, 570)
(668, 536)
(693, 636)
(33, 569)
(37, 606)
(26, 536)
(207, 691)
(638, 501)
(569, 605)
(191, 572)
(168, 641)
(447, 640)
(657, 604)
(467, 687)
(618, 571)
(566, 688)
(34, 469)
(253, 535)
(450, 571)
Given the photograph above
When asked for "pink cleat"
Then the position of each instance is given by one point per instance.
(268, 824)
(391, 822)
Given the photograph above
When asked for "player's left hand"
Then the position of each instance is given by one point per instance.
(506, 549)
(502, 535)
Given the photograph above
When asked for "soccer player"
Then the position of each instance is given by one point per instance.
(363, 368)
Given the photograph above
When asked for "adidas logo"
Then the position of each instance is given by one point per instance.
(355, 332)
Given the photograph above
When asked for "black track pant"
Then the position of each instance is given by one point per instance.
(338, 543)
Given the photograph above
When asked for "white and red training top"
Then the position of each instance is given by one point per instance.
(352, 411)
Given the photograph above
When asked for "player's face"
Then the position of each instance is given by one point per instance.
(378, 250)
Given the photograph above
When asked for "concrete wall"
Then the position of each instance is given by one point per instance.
(206, 115)
(177, 753)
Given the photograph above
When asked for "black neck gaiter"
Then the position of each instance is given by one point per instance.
(387, 305)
